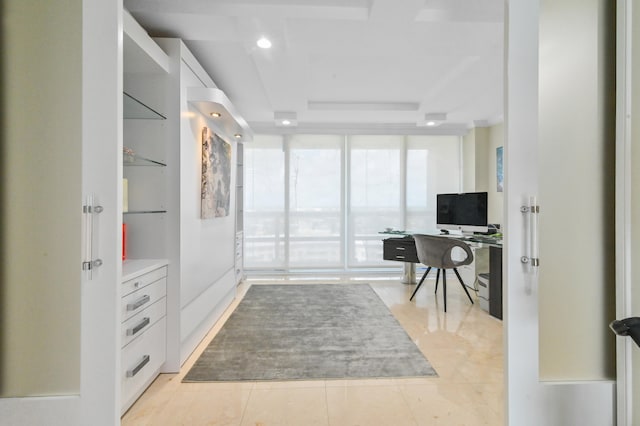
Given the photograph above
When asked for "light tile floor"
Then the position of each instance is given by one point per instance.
(464, 346)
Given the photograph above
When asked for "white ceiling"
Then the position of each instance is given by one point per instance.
(345, 65)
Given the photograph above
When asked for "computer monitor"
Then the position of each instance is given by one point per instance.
(466, 212)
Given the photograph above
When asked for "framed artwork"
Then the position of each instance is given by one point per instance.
(216, 176)
(499, 169)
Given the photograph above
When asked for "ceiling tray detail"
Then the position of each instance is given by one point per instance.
(215, 105)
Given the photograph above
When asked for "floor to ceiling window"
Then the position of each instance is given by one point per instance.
(319, 201)
(264, 203)
(315, 201)
(376, 193)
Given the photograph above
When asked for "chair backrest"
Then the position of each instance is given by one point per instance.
(436, 251)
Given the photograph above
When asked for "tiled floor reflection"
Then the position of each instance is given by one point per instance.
(464, 346)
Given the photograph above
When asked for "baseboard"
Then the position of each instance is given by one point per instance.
(49, 410)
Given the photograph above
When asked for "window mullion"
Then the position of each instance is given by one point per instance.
(403, 182)
(287, 164)
(345, 209)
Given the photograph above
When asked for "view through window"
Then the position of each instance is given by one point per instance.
(320, 201)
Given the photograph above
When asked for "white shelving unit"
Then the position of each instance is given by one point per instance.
(145, 139)
(164, 237)
(144, 186)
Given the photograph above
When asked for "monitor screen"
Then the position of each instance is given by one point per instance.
(466, 212)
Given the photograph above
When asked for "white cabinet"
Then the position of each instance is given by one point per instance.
(143, 326)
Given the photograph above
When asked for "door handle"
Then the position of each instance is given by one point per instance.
(89, 211)
(532, 211)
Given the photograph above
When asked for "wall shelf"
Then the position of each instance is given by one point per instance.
(138, 161)
(133, 108)
(144, 212)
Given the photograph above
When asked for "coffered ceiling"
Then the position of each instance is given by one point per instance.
(377, 66)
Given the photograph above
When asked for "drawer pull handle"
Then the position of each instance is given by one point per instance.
(400, 248)
(135, 305)
(142, 324)
(136, 284)
(399, 257)
(135, 370)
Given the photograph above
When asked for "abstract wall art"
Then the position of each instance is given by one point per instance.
(216, 176)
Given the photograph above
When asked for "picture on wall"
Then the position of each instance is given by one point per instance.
(216, 176)
(499, 169)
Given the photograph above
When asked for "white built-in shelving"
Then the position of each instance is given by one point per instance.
(145, 272)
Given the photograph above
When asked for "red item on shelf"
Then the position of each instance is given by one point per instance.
(124, 241)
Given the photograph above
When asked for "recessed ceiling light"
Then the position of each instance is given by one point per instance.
(237, 135)
(215, 114)
(285, 118)
(264, 43)
(433, 119)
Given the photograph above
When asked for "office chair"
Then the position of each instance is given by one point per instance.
(435, 252)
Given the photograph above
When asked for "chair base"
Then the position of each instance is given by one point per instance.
(444, 284)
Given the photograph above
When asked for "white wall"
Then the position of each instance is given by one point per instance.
(496, 199)
(206, 255)
(490, 138)
(469, 161)
(479, 163)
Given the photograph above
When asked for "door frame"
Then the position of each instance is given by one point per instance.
(624, 345)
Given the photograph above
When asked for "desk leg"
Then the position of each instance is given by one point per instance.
(409, 273)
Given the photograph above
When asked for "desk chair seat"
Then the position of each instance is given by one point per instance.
(436, 252)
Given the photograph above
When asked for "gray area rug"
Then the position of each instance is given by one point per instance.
(310, 332)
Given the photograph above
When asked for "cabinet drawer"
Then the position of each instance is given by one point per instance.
(142, 321)
(143, 280)
(400, 249)
(141, 361)
(143, 298)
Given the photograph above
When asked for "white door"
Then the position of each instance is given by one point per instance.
(553, 99)
(102, 86)
(60, 334)
(628, 207)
